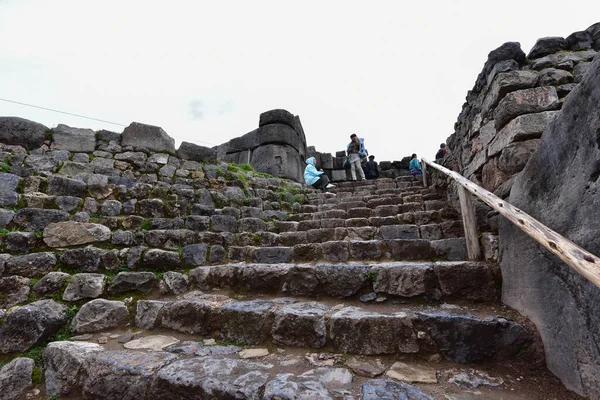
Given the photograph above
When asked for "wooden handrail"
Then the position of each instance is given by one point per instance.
(582, 261)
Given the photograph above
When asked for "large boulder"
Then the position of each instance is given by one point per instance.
(278, 160)
(15, 378)
(73, 139)
(191, 151)
(278, 116)
(148, 136)
(559, 187)
(525, 101)
(15, 289)
(22, 132)
(27, 326)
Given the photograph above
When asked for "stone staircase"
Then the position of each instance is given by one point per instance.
(128, 274)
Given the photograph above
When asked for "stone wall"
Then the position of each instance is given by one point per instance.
(529, 132)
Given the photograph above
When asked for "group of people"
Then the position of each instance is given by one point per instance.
(364, 170)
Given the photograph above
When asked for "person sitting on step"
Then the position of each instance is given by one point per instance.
(316, 178)
(415, 167)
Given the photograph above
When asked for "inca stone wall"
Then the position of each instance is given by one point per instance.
(529, 130)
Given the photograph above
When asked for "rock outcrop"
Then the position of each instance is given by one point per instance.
(559, 186)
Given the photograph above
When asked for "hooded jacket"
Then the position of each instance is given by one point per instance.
(311, 175)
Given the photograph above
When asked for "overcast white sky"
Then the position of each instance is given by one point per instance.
(204, 70)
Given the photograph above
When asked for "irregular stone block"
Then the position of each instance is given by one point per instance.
(29, 325)
(132, 281)
(399, 232)
(15, 378)
(191, 151)
(188, 316)
(22, 132)
(380, 389)
(507, 82)
(31, 265)
(63, 361)
(404, 279)
(467, 339)
(118, 374)
(147, 315)
(85, 286)
(149, 137)
(342, 280)
(451, 249)
(70, 233)
(210, 378)
(547, 45)
(525, 101)
(300, 325)
(465, 280)
(73, 139)
(272, 255)
(161, 260)
(100, 314)
(360, 332)
(14, 289)
(51, 283)
(554, 77)
(245, 322)
(34, 220)
(364, 250)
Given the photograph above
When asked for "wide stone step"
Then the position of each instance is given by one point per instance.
(355, 329)
(434, 280)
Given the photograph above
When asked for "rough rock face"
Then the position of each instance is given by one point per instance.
(147, 136)
(15, 378)
(27, 326)
(559, 187)
(100, 314)
(22, 132)
(191, 151)
(63, 361)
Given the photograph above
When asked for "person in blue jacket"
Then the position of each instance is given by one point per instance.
(314, 178)
(415, 167)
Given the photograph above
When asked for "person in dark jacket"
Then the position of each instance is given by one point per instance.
(371, 168)
(441, 154)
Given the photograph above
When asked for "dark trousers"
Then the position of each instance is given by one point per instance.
(322, 183)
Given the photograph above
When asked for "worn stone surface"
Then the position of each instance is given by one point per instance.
(52, 282)
(100, 314)
(319, 383)
(85, 286)
(29, 325)
(407, 280)
(73, 139)
(381, 389)
(155, 343)
(194, 152)
(34, 219)
(31, 265)
(547, 45)
(341, 280)
(300, 325)
(379, 333)
(525, 101)
(245, 322)
(16, 378)
(366, 367)
(132, 281)
(210, 378)
(147, 315)
(121, 374)
(15, 289)
(63, 361)
(161, 259)
(74, 233)
(561, 192)
(412, 373)
(465, 338)
(149, 137)
(174, 282)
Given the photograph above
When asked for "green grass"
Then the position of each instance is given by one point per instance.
(371, 276)
(146, 225)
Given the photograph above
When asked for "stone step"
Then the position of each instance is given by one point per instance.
(173, 250)
(175, 366)
(461, 279)
(477, 333)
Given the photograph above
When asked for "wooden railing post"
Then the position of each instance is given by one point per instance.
(581, 260)
(469, 224)
(424, 169)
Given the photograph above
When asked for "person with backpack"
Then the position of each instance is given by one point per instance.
(356, 150)
(441, 154)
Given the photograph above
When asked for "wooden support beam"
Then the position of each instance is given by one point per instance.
(424, 169)
(469, 224)
(582, 261)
